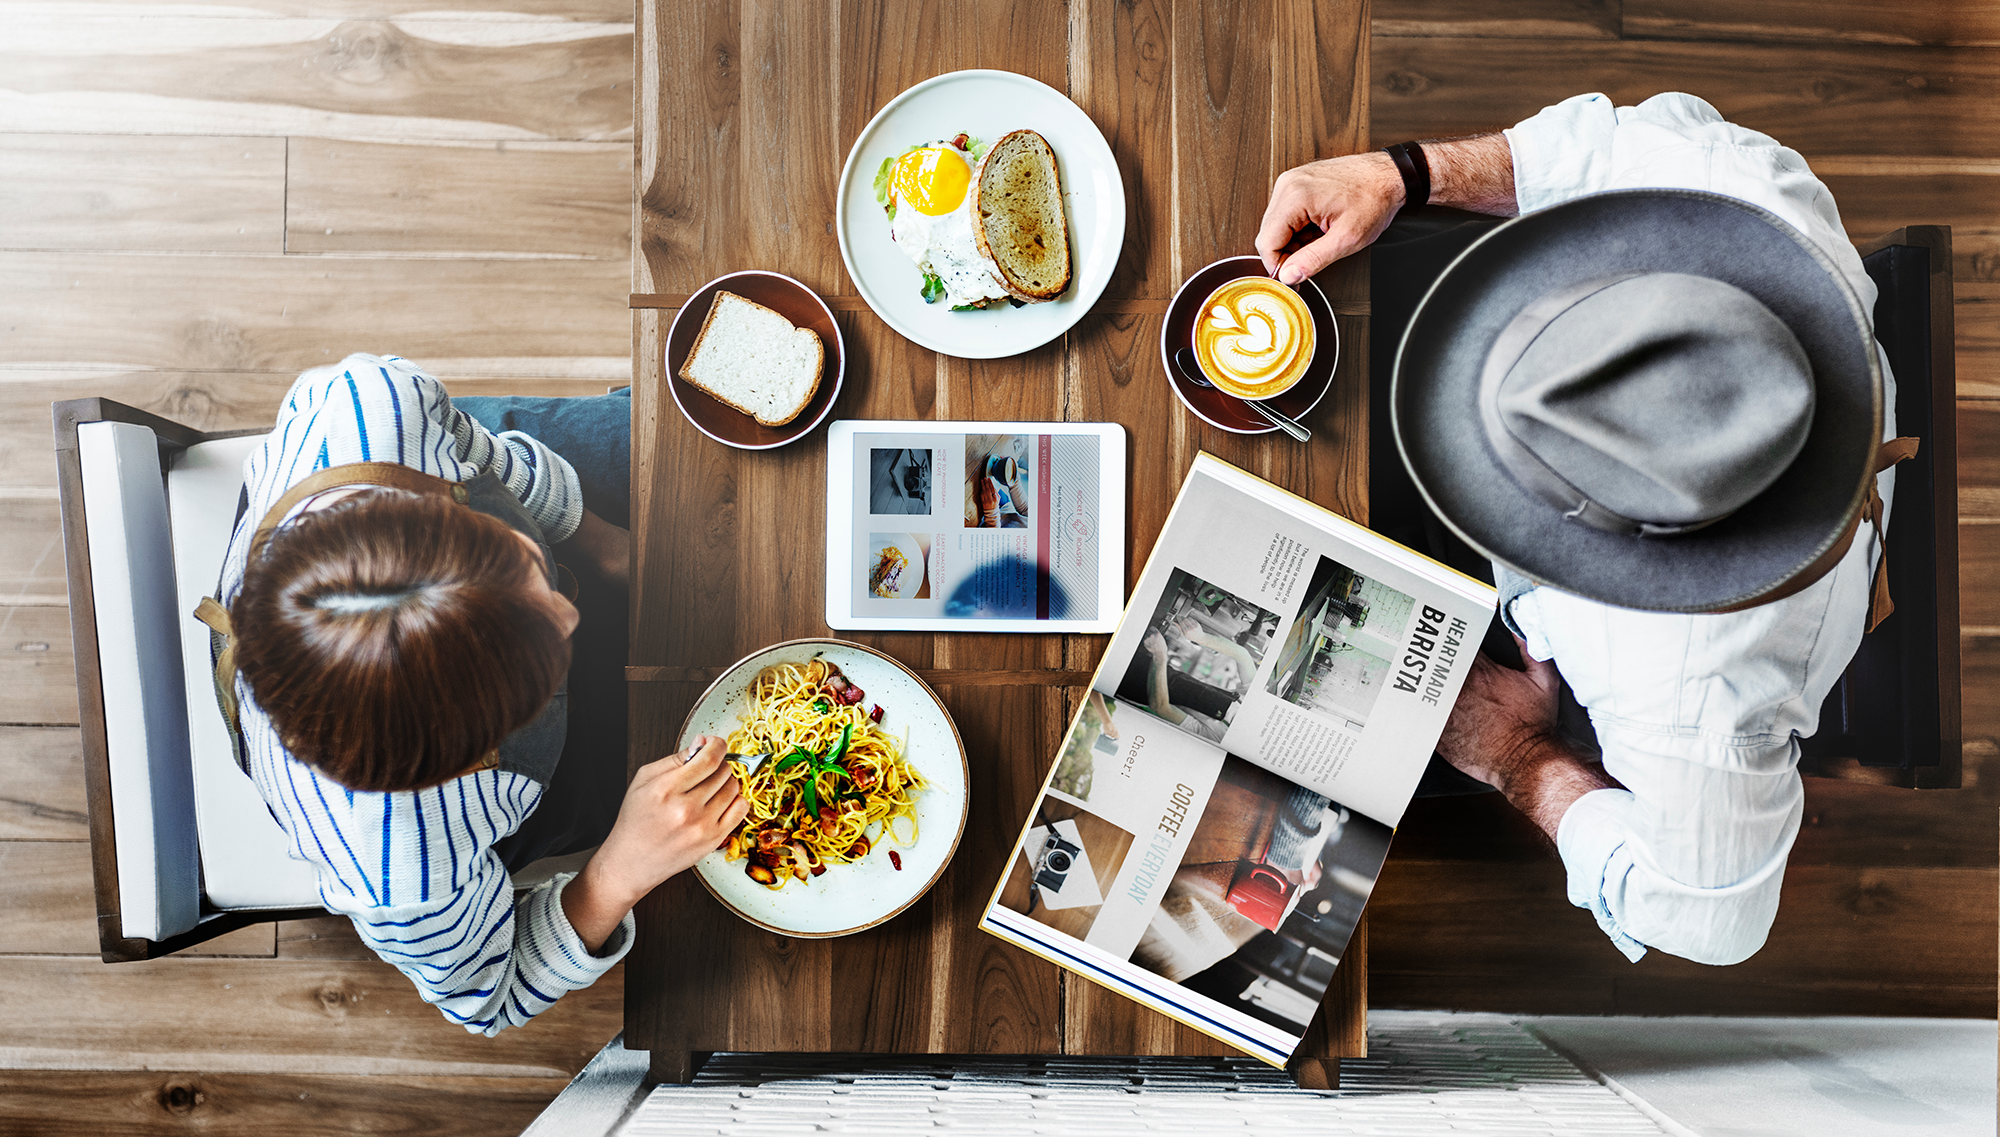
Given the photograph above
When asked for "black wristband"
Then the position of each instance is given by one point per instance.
(1416, 171)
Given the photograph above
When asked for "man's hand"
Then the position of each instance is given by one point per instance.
(1155, 644)
(675, 811)
(1351, 199)
(1502, 716)
(1503, 732)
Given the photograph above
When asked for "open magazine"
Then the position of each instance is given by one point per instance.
(1223, 802)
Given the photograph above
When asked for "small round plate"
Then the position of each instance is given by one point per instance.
(788, 298)
(986, 105)
(912, 580)
(1228, 412)
(848, 898)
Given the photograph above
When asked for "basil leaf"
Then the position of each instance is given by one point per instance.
(811, 793)
(840, 748)
(933, 288)
(792, 759)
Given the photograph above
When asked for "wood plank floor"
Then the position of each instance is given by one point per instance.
(197, 202)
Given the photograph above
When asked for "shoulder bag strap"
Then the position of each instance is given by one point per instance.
(1879, 604)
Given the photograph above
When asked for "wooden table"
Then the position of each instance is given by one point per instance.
(746, 111)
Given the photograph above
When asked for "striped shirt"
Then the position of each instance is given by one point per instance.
(416, 871)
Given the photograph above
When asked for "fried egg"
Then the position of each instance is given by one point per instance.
(929, 190)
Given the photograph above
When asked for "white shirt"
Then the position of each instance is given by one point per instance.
(416, 871)
(1699, 715)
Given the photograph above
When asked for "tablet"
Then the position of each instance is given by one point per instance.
(975, 526)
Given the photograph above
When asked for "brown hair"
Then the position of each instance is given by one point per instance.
(391, 638)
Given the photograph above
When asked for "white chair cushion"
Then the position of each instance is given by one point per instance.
(145, 714)
(245, 857)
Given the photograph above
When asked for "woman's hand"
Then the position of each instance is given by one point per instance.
(603, 547)
(676, 811)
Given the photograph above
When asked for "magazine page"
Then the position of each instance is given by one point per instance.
(1204, 886)
(1298, 640)
(1005, 528)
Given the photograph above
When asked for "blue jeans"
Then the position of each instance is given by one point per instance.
(593, 433)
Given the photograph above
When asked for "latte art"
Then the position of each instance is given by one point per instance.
(1254, 338)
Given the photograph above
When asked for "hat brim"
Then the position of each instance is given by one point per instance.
(1435, 412)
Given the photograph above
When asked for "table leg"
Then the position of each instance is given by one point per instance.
(677, 1067)
(1316, 1073)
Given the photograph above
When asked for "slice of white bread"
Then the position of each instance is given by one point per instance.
(1021, 228)
(755, 360)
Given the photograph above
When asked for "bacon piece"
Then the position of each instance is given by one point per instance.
(760, 874)
(818, 869)
(849, 694)
(863, 777)
(829, 821)
(769, 840)
(859, 849)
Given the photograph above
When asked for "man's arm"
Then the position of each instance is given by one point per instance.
(1353, 198)
(1503, 732)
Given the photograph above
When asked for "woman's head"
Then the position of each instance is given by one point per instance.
(394, 638)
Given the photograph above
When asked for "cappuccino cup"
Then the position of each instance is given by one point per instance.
(1254, 338)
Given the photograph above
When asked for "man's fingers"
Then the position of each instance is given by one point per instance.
(1282, 218)
(1315, 257)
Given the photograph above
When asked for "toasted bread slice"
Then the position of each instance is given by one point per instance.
(755, 360)
(1021, 227)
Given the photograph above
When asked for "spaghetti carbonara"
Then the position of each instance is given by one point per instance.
(835, 783)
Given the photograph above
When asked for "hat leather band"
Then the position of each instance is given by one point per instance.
(1527, 467)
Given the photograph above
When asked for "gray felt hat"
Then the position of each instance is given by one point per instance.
(1659, 399)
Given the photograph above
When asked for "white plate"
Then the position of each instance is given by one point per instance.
(986, 105)
(912, 580)
(848, 898)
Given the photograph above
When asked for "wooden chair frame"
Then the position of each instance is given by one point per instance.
(113, 945)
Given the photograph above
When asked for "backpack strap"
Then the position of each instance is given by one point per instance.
(212, 612)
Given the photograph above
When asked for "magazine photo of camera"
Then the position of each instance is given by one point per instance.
(899, 481)
(1065, 867)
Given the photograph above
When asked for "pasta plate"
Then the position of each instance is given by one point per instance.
(848, 898)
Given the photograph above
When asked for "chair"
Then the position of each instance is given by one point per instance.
(183, 848)
(1894, 715)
